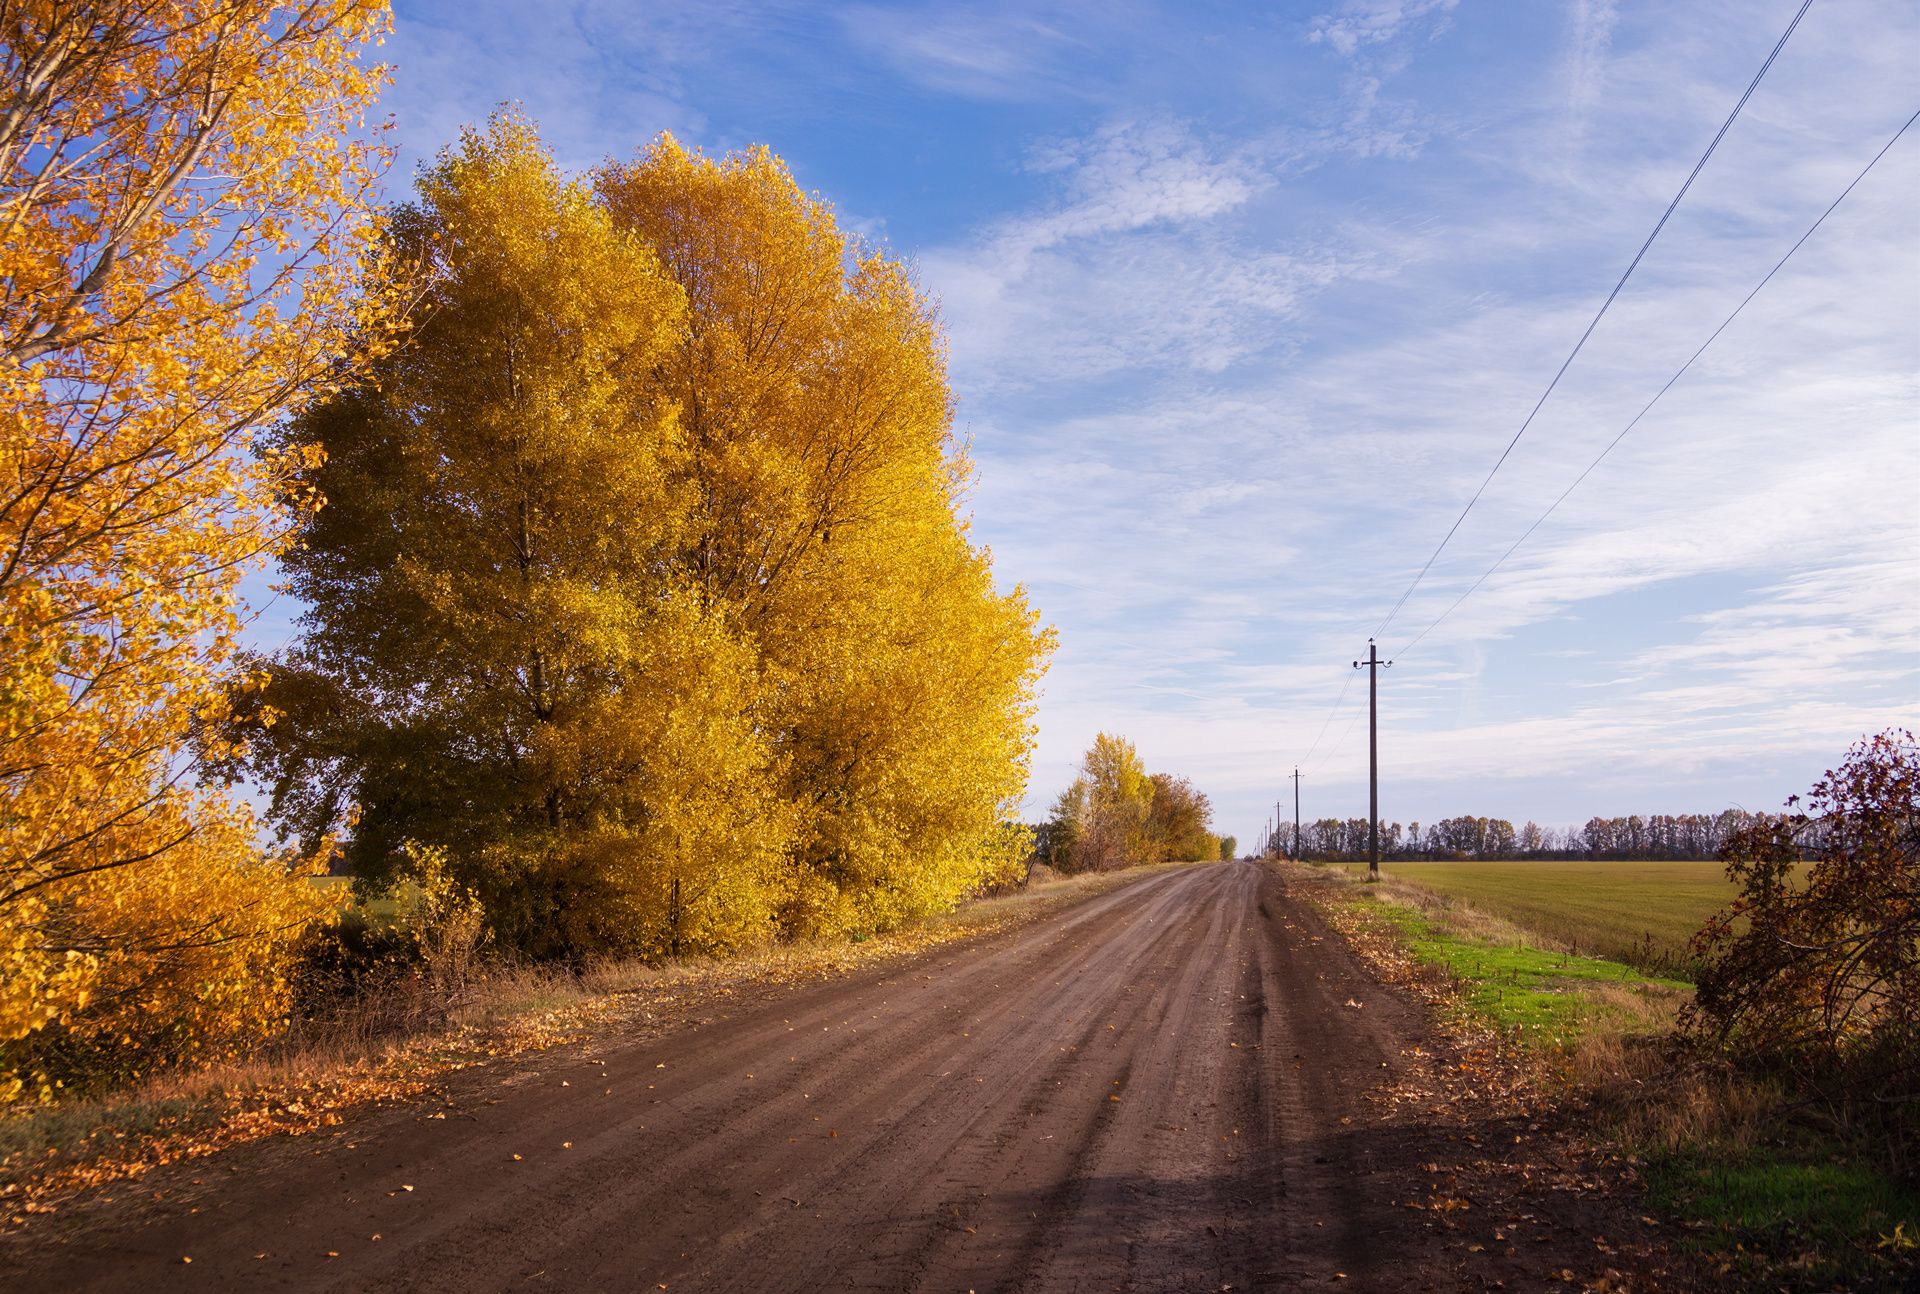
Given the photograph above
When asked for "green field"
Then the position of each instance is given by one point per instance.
(340, 889)
(1637, 912)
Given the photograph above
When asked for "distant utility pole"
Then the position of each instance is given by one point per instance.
(1296, 812)
(1372, 665)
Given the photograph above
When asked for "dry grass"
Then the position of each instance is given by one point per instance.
(1654, 1098)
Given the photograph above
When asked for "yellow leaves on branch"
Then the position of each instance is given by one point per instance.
(184, 235)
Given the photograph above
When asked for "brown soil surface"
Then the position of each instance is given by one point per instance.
(1182, 1084)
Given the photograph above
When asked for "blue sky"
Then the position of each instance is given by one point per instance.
(1244, 301)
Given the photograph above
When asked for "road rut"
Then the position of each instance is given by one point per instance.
(1160, 1088)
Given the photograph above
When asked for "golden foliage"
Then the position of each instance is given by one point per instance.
(898, 681)
(494, 585)
(1115, 814)
(642, 589)
(183, 219)
(1100, 820)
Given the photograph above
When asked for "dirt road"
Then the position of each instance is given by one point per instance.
(1158, 1089)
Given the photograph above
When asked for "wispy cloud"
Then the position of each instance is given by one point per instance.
(1357, 24)
(1377, 39)
(995, 54)
(567, 65)
(1142, 262)
(1695, 618)
(1589, 36)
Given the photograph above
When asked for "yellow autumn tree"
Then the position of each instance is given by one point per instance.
(1105, 813)
(827, 533)
(642, 594)
(184, 218)
(503, 659)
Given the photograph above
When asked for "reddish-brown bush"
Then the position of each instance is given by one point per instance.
(1815, 968)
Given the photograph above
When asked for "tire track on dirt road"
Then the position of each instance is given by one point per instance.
(1161, 1088)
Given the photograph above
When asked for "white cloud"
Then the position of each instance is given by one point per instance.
(1360, 23)
(1143, 262)
(997, 54)
(1377, 40)
(1590, 26)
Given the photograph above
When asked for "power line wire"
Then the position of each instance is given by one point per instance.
(1345, 732)
(1681, 372)
(1604, 307)
(1345, 683)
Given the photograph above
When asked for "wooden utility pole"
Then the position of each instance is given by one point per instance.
(1296, 812)
(1372, 665)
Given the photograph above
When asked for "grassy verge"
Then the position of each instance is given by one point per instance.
(393, 1047)
(1545, 997)
(1771, 1197)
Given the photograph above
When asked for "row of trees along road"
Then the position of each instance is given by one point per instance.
(1116, 814)
(624, 512)
(1659, 835)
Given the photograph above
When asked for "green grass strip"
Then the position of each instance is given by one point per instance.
(1796, 1214)
(1547, 998)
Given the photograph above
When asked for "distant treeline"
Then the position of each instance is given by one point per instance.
(1658, 835)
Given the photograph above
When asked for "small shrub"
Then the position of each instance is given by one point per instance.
(179, 962)
(354, 956)
(447, 922)
(410, 954)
